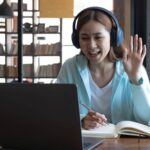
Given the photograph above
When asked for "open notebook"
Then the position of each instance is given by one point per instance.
(40, 116)
(128, 128)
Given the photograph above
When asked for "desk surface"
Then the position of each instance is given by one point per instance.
(125, 143)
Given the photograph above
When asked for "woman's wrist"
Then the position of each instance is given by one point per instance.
(137, 82)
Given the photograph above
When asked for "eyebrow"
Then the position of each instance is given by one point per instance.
(85, 34)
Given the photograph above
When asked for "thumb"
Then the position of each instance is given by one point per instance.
(125, 55)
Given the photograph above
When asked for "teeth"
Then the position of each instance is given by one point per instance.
(94, 52)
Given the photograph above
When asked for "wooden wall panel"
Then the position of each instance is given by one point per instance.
(56, 8)
(122, 10)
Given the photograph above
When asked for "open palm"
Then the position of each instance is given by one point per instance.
(133, 58)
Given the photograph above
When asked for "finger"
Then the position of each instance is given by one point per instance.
(94, 118)
(131, 44)
(140, 46)
(90, 124)
(101, 118)
(144, 51)
(135, 48)
(91, 116)
(91, 113)
(95, 125)
(125, 55)
(97, 117)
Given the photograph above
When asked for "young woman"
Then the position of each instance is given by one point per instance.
(111, 79)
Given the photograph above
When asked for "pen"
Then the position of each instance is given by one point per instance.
(85, 106)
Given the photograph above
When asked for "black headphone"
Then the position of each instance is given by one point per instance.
(116, 32)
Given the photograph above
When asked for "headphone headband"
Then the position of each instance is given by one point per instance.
(116, 32)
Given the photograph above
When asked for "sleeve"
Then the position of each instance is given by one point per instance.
(69, 74)
(141, 99)
(64, 73)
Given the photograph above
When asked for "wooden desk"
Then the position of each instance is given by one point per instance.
(125, 143)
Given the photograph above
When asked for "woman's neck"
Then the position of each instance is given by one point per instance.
(102, 73)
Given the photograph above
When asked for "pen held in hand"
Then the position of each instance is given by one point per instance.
(85, 106)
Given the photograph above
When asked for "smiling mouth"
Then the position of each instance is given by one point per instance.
(94, 53)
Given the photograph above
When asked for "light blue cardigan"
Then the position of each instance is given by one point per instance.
(129, 102)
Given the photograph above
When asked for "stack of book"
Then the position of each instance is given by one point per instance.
(28, 70)
(2, 70)
(48, 49)
(48, 70)
(28, 49)
(1, 49)
(11, 71)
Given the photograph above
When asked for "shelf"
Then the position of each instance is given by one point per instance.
(41, 49)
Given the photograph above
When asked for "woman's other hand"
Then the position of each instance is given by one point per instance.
(133, 58)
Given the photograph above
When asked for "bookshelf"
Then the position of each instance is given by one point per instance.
(41, 45)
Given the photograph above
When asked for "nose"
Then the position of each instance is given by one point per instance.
(91, 43)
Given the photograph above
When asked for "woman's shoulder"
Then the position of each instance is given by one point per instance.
(69, 61)
(78, 60)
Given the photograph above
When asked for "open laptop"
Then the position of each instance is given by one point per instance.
(41, 117)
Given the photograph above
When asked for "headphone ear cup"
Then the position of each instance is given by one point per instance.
(116, 37)
(120, 36)
(75, 39)
(113, 37)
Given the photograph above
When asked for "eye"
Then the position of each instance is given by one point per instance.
(99, 37)
(84, 38)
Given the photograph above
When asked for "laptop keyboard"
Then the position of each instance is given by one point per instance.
(85, 145)
(89, 143)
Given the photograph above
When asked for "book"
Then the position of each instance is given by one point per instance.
(129, 128)
(1, 49)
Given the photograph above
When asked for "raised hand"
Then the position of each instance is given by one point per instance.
(133, 58)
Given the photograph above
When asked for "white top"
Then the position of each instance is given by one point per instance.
(101, 98)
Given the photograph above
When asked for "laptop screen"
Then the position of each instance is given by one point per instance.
(39, 116)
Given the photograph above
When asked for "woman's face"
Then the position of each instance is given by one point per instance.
(94, 41)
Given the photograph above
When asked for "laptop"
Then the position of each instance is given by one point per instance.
(41, 117)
